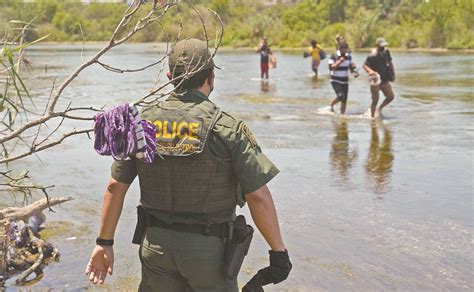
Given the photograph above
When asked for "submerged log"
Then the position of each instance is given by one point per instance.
(23, 213)
(35, 267)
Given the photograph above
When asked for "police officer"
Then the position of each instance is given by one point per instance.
(209, 163)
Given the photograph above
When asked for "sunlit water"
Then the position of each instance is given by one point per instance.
(363, 204)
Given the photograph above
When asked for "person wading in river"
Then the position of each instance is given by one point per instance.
(315, 52)
(265, 54)
(339, 64)
(212, 163)
(380, 61)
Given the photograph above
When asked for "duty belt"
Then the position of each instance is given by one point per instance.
(220, 230)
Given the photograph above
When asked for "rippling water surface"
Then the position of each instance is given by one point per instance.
(363, 204)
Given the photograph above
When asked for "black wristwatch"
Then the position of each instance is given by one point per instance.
(104, 242)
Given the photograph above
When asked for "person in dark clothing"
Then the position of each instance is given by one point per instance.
(340, 64)
(380, 61)
(265, 53)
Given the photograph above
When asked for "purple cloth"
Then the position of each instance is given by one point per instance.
(119, 133)
(17, 232)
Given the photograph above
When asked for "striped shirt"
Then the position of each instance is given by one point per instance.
(341, 73)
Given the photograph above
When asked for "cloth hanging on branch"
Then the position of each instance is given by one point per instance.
(118, 132)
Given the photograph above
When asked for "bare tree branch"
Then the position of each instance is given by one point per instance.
(118, 70)
(49, 145)
(34, 146)
(50, 110)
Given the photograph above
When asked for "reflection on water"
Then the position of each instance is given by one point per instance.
(380, 159)
(379, 163)
(265, 86)
(341, 156)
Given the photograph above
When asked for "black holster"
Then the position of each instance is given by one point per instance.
(238, 243)
(141, 226)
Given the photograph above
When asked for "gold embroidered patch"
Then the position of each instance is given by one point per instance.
(249, 136)
(179, 137)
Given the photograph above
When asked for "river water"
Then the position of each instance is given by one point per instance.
(363, 204)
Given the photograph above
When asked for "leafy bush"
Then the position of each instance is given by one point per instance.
(404, 23)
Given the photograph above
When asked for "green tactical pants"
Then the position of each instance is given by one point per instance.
(178, 261)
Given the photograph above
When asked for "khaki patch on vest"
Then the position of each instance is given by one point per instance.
(249, 136)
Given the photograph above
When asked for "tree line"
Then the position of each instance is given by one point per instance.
(404, 23)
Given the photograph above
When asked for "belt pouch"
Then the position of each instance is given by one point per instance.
(237, 247)
(141, 226)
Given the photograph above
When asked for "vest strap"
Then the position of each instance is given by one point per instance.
(216, 116)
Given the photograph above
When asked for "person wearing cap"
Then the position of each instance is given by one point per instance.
(265, 54)
(315, 52)
(207, 162)
(340, 64)
(339, 39)
(379, 62)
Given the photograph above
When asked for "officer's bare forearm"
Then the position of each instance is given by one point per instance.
(265, 217)
(112, 208)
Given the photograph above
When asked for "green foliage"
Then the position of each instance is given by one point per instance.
(404, 23)
(327, 35)
(14, 90)
(362, 27)
(221, 7)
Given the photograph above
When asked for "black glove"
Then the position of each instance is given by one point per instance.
(252, 287)
(278, 271)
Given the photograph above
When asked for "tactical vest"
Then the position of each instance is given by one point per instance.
(187, 178)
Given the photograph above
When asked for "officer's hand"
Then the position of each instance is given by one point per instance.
(278, 271)
(101, 263)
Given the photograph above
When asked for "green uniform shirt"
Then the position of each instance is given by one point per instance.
(230, 139)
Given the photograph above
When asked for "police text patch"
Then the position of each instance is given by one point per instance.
(179, 137)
